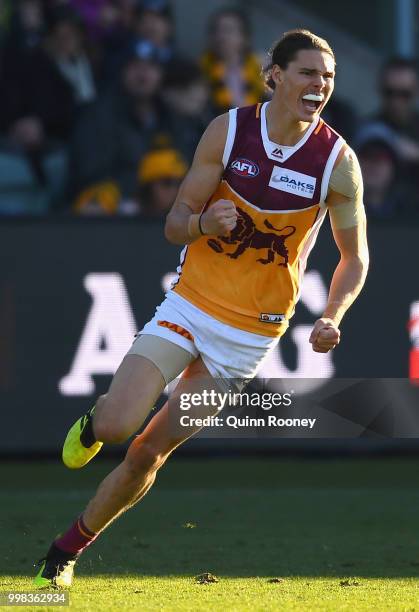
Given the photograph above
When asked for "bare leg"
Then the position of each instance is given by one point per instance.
(135, 388)
(130, 481)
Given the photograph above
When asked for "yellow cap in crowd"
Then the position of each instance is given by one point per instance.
(161, 164)
(103, 196)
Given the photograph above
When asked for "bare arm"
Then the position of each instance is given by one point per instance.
(348, 221)
(183, 223)
(349, 276)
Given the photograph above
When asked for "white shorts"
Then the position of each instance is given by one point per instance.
(227, 352)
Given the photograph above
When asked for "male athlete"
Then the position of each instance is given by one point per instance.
(249, 211)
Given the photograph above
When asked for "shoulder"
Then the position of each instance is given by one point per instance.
(347, 159)
(213, 140)
(216, 131)
(219, 125)
(346, 177)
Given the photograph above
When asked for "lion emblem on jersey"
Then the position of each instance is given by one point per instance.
(247, 236)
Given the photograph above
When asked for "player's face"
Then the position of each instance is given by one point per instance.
(310, 74)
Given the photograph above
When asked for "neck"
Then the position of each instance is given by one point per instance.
(231, 58)
(282, 127)
(234, 60)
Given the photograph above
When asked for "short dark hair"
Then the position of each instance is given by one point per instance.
(241, 17)
(57, 15)
(286, 48)
(398, 62)
(181, 73)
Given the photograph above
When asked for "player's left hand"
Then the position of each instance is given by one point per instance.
(325, 336)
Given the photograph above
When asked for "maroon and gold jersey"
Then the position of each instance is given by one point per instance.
(250, 279)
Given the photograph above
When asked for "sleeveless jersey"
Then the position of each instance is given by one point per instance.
(250, 279)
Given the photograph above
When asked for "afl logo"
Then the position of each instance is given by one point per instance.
(244, 167)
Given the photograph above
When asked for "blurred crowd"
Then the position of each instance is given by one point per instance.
(100, 114)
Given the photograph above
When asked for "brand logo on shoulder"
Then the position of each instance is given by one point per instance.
(293, 182)
(244, 167)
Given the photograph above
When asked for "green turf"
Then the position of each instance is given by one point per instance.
(341, 535)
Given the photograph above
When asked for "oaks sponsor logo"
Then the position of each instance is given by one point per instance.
(293, 182)
(244, 167)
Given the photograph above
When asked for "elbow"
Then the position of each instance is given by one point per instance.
(364, 259)
(168, 230)
(167, 233)
(364, 262)
(359, 262)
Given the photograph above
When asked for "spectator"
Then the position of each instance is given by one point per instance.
(186, 92)
(107, 33)
(123, 126)
(153, 24)
(341, 116)
(66, 51)
(98, 200)
(144, 24)
(50, 84)
(126, 8)
(160, 174)
(26, 19)
(5, 18)
(399, 90)
(386, 195)
(232, 70)
(41, 95)
(99, 16)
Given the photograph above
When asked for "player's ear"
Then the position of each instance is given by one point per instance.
(276, 74)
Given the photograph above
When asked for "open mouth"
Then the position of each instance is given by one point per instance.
(312, 102)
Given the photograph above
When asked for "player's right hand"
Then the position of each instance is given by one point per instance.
(220, 218)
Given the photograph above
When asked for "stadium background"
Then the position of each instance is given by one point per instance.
(82, 248)
(60, 212)
(67, 320)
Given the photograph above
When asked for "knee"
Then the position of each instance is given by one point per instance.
(101, 400)
(108, 428)
(144, 457)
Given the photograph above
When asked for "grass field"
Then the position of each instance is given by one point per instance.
(340, 535)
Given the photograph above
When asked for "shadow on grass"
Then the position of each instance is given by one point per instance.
(233, 521)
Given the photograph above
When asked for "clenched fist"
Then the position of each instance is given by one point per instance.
(220, 218)
(325, 336)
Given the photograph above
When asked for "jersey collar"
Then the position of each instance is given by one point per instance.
(277, 152)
